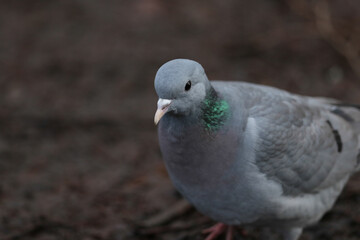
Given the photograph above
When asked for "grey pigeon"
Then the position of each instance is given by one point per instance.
(247, 154)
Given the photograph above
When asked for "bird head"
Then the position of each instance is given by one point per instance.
(181, 85)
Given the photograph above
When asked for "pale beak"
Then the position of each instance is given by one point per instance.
(162, 107)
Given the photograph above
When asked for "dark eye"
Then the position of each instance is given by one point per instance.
(188, 86)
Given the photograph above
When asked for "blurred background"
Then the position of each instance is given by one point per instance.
(79, 157)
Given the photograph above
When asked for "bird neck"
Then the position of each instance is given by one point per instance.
(215, 111)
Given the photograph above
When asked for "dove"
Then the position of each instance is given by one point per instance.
(247, 154)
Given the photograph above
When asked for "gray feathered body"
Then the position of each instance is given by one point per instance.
(279, 160)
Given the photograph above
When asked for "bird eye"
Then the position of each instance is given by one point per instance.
(188, 86)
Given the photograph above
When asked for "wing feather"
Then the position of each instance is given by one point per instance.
(297, 147)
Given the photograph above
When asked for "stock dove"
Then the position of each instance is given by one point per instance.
(247, 154)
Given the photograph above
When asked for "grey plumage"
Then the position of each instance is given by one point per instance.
(243, 153)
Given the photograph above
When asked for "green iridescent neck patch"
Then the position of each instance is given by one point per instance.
(215, 111)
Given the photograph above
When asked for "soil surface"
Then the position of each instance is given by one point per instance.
(79, 157)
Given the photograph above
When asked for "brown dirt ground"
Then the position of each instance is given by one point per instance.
(79, 157)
